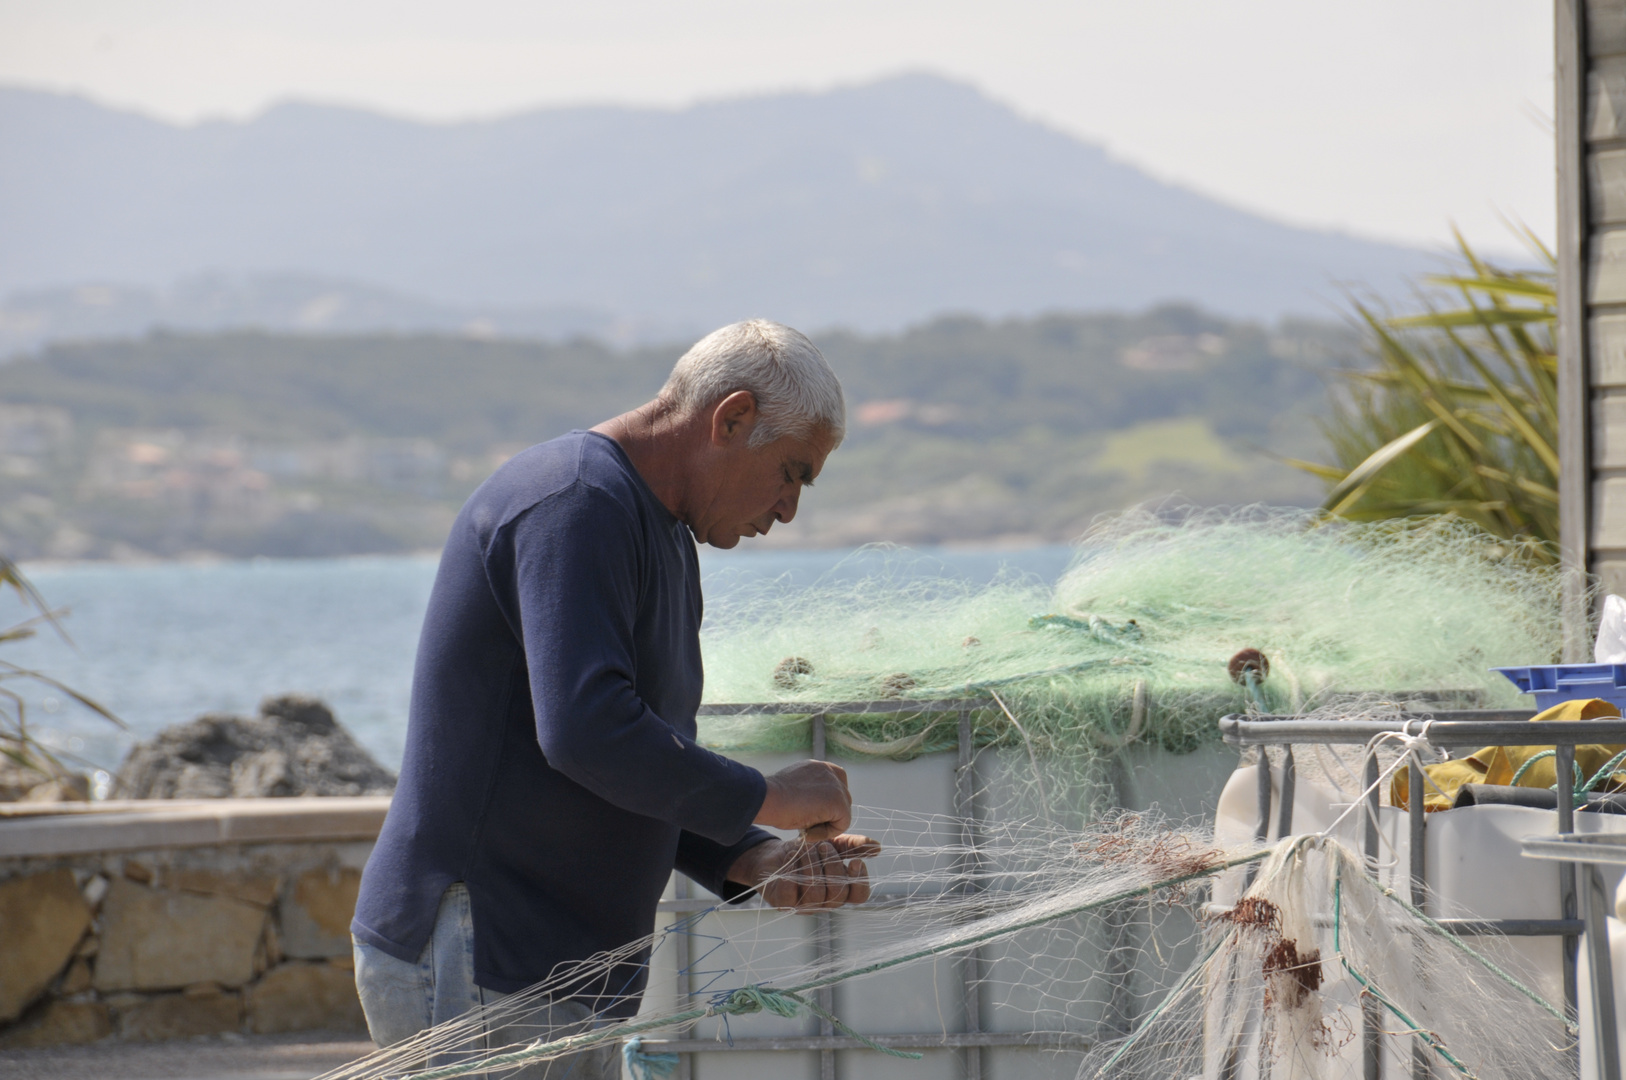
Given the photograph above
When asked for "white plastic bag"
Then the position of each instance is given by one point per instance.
(1611, 647)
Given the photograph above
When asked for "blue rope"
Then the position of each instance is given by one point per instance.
(642, 1066)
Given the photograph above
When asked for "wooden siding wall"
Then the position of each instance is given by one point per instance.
(1590, 115)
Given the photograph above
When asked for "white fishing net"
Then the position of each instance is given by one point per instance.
(1101, 952)
(1317, 967)
(1072, 934)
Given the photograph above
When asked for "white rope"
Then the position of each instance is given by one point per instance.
(1409, 747)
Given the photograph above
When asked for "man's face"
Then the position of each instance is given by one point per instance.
(756, 487)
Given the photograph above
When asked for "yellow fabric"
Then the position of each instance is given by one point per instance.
(1499, 764)
(1448, 777)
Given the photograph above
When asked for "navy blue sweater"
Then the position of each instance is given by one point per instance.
(550, 758)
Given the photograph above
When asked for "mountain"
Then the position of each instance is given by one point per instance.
(871, 207)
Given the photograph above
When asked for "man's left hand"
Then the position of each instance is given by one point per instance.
(808, 876)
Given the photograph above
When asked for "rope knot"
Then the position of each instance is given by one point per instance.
(754, 999)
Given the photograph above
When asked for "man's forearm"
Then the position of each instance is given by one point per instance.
(711, 865)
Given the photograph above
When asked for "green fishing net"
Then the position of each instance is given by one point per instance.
(1133, 642)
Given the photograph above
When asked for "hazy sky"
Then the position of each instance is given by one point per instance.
(1387, 118)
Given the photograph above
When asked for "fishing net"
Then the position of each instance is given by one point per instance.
(1058, 925)
(1103, 951)
(1132, 643)
(1035, 918)
(1318, 968)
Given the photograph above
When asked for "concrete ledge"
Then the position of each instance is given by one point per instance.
(138, 825)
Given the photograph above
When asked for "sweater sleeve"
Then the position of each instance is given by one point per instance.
(577, 572)
(706, 862)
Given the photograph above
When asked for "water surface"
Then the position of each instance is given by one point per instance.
(162, 644)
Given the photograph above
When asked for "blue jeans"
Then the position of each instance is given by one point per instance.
(401, 999)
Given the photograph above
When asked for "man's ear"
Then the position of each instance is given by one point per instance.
(733, 419)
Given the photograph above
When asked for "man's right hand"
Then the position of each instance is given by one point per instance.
(810, 797)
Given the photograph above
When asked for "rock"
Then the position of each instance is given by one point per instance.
(154, 939)
(42, 918)
(46, 783)
(271, 953)
(301, 713)
(194, 781)
(60, 1023)
(93, 890)
(303, 996)
(181, 1016)
(294, 747)
(73, 787)
(17, 781)
(258, 889)
(263, 773)
(77, 979)
(316, 914)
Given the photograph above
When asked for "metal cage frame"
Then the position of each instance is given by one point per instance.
(974, 1038)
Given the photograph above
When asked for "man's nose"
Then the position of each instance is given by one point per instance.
(785, 508)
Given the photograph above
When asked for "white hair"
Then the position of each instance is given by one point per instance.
(797, 393)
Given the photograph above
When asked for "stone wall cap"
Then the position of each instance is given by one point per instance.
(138, 825)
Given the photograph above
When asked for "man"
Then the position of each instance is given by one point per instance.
(551, 781)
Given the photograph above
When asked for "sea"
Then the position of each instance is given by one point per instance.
(160, 644)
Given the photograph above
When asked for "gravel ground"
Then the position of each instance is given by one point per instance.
(297, 1056)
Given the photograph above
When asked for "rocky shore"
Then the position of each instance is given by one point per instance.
(294, 746)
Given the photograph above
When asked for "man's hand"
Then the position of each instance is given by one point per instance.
(808, 876)
(810, 797)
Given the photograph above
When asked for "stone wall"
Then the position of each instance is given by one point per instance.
(174, 941)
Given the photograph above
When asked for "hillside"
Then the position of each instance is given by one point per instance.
(872, 207)
(961, 429)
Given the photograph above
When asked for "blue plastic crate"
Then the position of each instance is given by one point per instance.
(1553, 683)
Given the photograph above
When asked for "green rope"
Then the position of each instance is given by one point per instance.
(1531, 760)
(1578, 790)
(1451, 938)
(1484, 961)
(1431, 1040)
(749, 999)
(1255, 690)
(1605, 772)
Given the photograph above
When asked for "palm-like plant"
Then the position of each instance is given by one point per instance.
(17, 743)
(1460, 415)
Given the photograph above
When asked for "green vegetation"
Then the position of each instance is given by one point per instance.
(18, 745)
(1460, 416)
(250, 443)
